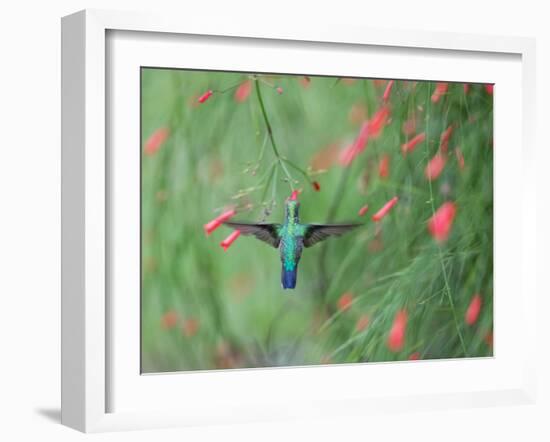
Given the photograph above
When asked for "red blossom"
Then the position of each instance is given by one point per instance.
(316, 186)
(413, 142)
(243, 91)
(414, 356)
(378, 121)
(444, 139)
(466, 87)
(384, 166)
(363, 210)
(190, 327)
(362, 323)
(396, 337)
(294, 195)
(205, 96)
(169, 320)
(226, 243)
(435, 166)
(387, 91)
(441, 222)
(472, 313)
(459, 157)
(279, 90)
(489, 88)
(385, 209)
(217, 222)
(347, 155)
(440, 89)
(156, 140)
(345, 301)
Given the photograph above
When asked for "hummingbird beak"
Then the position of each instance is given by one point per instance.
(294, 195)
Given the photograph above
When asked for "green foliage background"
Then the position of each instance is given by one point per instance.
(203, 308)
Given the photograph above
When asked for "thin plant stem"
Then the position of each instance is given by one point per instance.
(440, 252)
(272, 138)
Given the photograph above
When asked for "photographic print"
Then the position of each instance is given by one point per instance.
(293, 220)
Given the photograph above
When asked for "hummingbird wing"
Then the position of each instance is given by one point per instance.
(315, 233)
(268, 233)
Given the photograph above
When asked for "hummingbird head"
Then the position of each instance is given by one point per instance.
(292, 206)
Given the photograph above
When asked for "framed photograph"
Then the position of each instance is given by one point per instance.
(288, 223)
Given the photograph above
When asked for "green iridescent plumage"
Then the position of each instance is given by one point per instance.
(291, 237)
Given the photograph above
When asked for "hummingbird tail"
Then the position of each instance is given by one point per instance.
(288, 278)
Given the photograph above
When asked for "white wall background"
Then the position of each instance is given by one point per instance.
(30, 215)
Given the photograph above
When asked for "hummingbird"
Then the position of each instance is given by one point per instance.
(291, 237)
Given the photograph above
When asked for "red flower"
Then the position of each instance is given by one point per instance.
(385, 209)
(347, 155)
(444, 139)
(205, 96)
(411, 145)
(489, 88)
(378, 121)
(345, 301)
(243, 91)
(363, 210)
(279, 90)
(441, 222)
(414, 356)
(362, 323)
(294, 195)
(384, 166)
(459, 157)
(229, 240)
(316, 186)
(387, 92)
(466, 87)
(396, 338)
(473, 310)
(169, 320)
(305, 81)
(435, 166)
(217, 222)
(190, 327)
(440, 89)
(155, 141)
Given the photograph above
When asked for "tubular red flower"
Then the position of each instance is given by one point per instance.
(466, 87)
(347, 155)
(472, 313)
(362, 323)
(230, 239)
(441, 222)
(345, 301)
(205, 96)
(156, 140)
(489, 88)
(385, 209)
(217, 222)
(294, 195)
(459, 158)
(378, 121)
(413, 142)
(384, 166)
(396, 337)
(363, 210)
(243, 91)
(316, 186)
(435, 166)
(444, 139)
(440, 90)
(387, 91)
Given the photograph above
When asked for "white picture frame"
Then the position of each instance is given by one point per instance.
(87, 355)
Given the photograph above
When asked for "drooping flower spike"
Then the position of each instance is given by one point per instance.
(385, 209)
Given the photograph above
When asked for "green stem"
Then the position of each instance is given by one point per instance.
(271, 137)
(443, 268)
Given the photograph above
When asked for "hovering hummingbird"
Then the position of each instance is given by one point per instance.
(291, 237)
